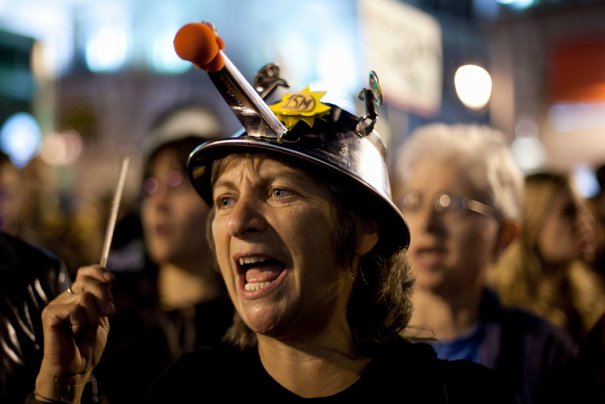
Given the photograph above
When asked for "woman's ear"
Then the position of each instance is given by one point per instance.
(367, 237)
(509, 230)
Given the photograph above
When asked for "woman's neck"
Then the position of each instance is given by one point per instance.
(443, 319)
(181, 288)
(310, 372)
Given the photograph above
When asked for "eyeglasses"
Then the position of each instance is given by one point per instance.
(174, 181)
(446, 204)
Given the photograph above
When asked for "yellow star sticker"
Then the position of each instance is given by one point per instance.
(301, 106)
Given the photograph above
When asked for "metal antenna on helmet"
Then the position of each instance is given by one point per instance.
(373, 99)
(200, 44)
(268, 79)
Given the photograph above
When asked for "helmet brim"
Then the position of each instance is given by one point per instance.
(357, 165)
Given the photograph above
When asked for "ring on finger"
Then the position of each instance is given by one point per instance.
(69, 290)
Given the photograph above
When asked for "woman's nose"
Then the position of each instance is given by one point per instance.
(426, 217)
(246, 217)
(159, 197)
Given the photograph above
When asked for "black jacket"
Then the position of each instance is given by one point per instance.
(30, 277)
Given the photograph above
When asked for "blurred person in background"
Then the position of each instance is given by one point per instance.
(169, 295)
(461, 193)
(29, 278)
(547, 269)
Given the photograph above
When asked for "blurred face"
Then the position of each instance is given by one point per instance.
(173, 215)
(565, 234)
(273, 231)
(451, 245)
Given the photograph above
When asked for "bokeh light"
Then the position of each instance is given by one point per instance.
(20, 138)
(60, 149)
(473, 86)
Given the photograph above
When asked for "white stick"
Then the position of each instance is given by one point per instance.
(113, 216)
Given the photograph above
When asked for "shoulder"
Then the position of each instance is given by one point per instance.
(519, 323)
(516, 325)
(420, 355)
(467, 381)
(417, 365)
(23, 263)
(18, 253)
(213, 367)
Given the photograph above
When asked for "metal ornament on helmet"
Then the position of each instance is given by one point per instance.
(299, 127)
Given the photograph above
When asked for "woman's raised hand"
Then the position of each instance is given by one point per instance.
(76, 326)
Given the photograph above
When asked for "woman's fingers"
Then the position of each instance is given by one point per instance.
(94, 281)
(74, 319)
(84, 318)
(76, 327)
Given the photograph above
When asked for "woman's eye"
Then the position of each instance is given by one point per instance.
(223, 202)
(279, 193)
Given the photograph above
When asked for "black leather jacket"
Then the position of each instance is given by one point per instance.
(29, 278)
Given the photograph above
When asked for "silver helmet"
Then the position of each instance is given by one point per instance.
(342, 145)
